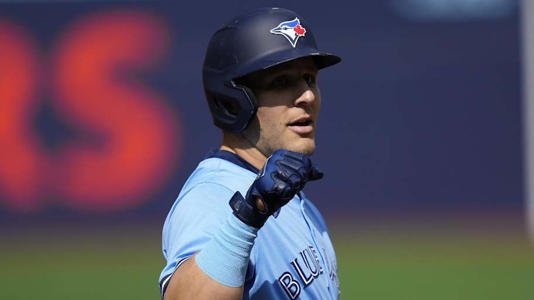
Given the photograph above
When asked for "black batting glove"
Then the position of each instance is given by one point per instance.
(284, 174)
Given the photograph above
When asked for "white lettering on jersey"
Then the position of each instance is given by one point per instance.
(290, 285)
(307, 267)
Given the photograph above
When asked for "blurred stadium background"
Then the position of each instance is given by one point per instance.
(423, 137)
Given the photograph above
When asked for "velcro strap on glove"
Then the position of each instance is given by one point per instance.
(246, 212)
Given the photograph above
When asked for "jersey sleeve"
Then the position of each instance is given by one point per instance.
(194, 218)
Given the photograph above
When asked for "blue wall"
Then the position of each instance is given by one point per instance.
(422, 115)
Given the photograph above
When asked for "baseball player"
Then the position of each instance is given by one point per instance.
(242, 227)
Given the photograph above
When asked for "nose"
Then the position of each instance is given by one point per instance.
(306, 97)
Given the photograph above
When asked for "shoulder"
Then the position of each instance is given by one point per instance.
(205, 195)
(219, 172)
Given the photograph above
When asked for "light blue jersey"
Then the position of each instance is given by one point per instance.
(292, 255)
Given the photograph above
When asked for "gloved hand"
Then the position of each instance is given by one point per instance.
(284, 174)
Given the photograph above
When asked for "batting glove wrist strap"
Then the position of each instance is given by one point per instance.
(246, 212)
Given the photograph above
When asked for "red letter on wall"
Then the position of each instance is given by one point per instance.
(95, 65)
(97, 86)
(20, 155)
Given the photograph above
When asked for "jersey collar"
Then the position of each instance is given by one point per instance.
(233, 158)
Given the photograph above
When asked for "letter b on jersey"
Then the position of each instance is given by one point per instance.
(290, 285)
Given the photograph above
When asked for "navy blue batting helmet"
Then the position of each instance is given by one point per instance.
(255, 41)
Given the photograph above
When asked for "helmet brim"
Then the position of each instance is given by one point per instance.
(322, 60)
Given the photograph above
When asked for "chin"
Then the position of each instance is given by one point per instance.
(306, 146)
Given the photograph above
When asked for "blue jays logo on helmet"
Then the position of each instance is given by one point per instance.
(291, 30)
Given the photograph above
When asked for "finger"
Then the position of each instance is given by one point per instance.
(282, 173)
(294, 155)
(298, 162)
(290, 164)
(315, 174)
(282, 191)
(293, 178)
(299, 159)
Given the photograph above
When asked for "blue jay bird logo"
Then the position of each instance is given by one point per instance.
(292, 30)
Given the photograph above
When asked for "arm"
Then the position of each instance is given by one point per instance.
(190, 282)
(218, 270)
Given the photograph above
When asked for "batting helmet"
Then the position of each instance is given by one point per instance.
(255, 41)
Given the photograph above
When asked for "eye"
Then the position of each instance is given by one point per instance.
(280, 82)
(310, 79)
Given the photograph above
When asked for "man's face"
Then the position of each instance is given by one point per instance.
(288, 104)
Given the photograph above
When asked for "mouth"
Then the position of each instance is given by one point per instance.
(302, 125)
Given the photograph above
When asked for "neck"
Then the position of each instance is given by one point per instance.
(244, 149)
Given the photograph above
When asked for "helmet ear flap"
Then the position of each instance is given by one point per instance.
(233, 110)
(226, 105)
